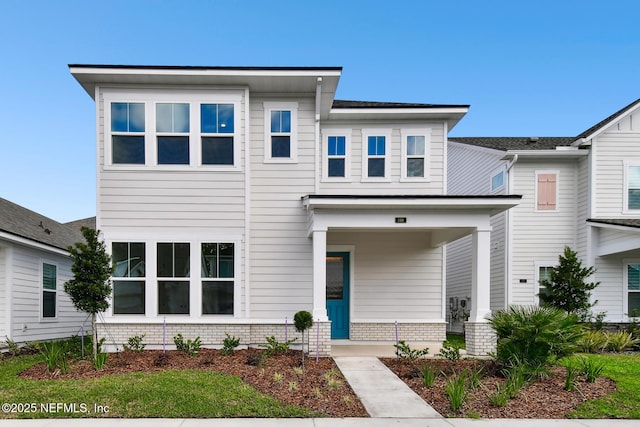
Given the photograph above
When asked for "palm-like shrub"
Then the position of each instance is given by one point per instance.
(534, 336)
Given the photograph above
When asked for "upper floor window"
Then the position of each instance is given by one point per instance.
(172, 132)
(49, 289)
(127, 133)
(546, 191)
(129, 271)
(632, 187)
(497, 180)
(217, 130)
(375, 165)
(336, 163)
(415, 154)
(281, 132)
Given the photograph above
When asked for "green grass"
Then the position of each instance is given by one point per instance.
(457, 339)
(624, 369)
(167, 394)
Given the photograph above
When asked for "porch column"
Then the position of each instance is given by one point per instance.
(481, 276)
(320, 275)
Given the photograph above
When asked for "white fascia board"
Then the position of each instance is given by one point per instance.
(614, 227)
(399, 110)
(197, 71)
(545, 154)
(441, 203)
(32, 243)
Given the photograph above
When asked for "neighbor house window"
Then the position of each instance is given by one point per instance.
(632, 274)
(632, 192)
(218, 271)
(173, 268)
(217, 133)
(497, 181)
(415, 150)
(129, 271)
(172, 133)
(49, 290)
(280, 131)
(127, 133)
(546, 191)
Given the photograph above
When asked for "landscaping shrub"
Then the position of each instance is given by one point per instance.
(450, 351)
(229, 344)
(135, 343)
(534, 336)
(273, 346)
(620, 341)
(190, 347)
(593, 341)
(404, 351)
(456, 389)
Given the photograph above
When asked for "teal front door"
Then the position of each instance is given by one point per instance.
(338, 293)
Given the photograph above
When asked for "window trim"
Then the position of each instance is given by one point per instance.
(130, 278)
(625, 195)
(346, 133)
(535, 202)
(233, 279)
(503, 170)
(54, 291)
(293, 134)
(536, 274)
(150, 99)
(625, 286)
(404, 135)
(366, 133)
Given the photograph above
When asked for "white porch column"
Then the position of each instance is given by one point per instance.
(320, 275)
(481, 276)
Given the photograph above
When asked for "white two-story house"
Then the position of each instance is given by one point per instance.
(582, 192)
(232, 197)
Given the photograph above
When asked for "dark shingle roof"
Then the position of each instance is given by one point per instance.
(606, 121)
(516, 143)
(86, 222)
(370, 104)
(22, 222)
(625, 222)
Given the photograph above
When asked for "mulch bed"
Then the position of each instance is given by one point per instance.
(313, 390)
(542, 399)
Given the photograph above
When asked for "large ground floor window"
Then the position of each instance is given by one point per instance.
(633, 289)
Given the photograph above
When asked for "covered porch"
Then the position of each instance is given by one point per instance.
(379, 265)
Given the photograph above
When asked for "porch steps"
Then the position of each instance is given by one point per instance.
(382, 393)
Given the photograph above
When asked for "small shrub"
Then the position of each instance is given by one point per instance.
(101, 361)
(501, 396)
(256, 359)
(273, 346)
(14, 348)
(428, 374)
(456, 389)
(474, 375)
(593, 341)
(571, 381)
(450, 351)
(334, 383)
(404, 351)
(516, 379)
(591, 369)
(190, 347)
(277, 377)
(293, 387)
(135, 343)
(620, 341)
(229, 344)
(54, 354)
(298, 370)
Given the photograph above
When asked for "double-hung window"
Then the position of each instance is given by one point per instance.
(173, 271)
(128, 277)
(172, 133)
(632, 187)
(415, 154)
(127, 133)
(49, 290)
(281, 132)
(218, 272)
(376, 147)
(217, 133)
(632, 279)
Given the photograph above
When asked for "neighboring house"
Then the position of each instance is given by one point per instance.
(34, 265)
(232, 197)
(582, 192)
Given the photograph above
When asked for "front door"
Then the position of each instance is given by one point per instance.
(338, 293)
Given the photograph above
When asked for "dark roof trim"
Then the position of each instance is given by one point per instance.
(370, 104)
(516, 143)
(593, 129)
(631, 222)
(410, 197)
(192, 67)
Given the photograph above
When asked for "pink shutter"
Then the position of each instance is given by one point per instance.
(546, 191)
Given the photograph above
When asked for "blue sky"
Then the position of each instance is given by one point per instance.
(543, 68)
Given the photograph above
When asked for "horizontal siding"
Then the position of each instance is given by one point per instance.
(612, 148)
(3, 291)
(582, 206)
(397, 275)
(540, 236)
(610, 293)
(394, 186)
(27, 295)
(281, 252)
(470, 169)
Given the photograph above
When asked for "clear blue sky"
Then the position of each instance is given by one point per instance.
(540, 68)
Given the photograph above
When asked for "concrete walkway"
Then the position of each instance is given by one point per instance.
(382, 393)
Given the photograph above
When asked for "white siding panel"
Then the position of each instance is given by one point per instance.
(3, 290)
(397, 275)
(611, 293)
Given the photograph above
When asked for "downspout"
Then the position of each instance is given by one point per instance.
(508, 243)
(8, 274)
(247, 204)
(317, 136)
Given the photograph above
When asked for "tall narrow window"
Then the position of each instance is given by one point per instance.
(415, 156)
(337, 154)
(173, 264)
(544, 274)
(280, 132)
(218, 271)
(546, 191)
(49, 290)
(127, 133)
(172, 127)
(633, 289)
(129, 271)
(217, 129)
(633, 187)
(376, 156)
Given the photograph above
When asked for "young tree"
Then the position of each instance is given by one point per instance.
(90, 287)
(302, 320)
(567, 288)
